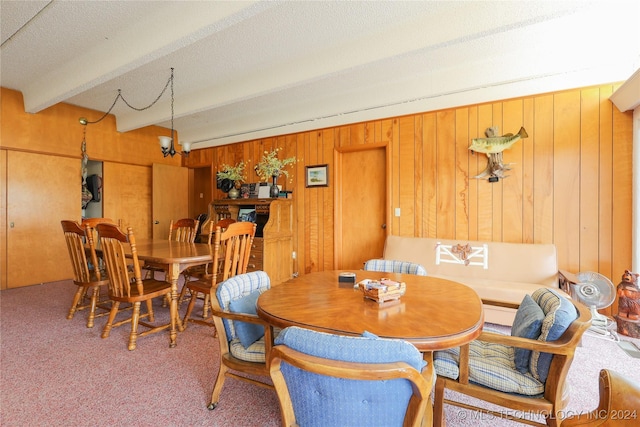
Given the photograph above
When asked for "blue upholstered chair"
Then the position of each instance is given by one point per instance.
(524, 371)
(391, 266)
(329, 380)
(244, 338)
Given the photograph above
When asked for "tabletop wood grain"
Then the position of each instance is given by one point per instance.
(434, 314)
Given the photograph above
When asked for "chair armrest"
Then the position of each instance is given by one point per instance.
(244, 317)
(497, 303)
(560, 346)
(565, 280)
(352, 370)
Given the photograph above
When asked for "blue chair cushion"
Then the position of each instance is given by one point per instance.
(392, 266)
(491, 365)
(253, 353)
(238, 287)
(248, 333)
(559, 313)
(527, 324)
(323, 401)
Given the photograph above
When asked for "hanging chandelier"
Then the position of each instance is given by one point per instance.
(166, 142)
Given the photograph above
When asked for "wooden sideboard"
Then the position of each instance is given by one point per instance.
(272, 249)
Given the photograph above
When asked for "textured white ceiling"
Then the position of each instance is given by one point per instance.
(247, 70)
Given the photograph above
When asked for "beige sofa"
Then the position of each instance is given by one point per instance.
(501, 273)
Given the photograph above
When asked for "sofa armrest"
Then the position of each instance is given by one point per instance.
(565, 280)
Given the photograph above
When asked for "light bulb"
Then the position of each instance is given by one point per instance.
(165, 141)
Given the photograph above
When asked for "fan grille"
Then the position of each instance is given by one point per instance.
(594, 289)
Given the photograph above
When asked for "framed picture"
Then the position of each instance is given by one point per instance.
(247, 214)
(317, 176)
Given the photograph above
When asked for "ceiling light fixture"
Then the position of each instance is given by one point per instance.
(166, 142)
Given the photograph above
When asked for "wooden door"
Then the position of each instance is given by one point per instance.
(3, 219)
(361, 213)
(42, 190)
(170, 198)
(127, 196)
(200, 190)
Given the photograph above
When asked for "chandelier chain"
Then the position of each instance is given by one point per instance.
(171, 80)
(128, 104)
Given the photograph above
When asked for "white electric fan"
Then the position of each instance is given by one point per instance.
(596, 292)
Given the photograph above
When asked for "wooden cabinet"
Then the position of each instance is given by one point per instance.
(272, 249)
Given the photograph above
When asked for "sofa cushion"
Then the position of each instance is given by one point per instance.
(527, 324)
(248, 333)
(559, 314)
(498, 289)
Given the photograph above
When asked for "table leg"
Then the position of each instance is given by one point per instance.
(174, 274)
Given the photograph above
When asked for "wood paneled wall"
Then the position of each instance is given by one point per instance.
(33, 149)
(570, 182)
(57, 131)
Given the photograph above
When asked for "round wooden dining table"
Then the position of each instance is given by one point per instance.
(433, 314)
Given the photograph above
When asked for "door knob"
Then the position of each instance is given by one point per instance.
(384, 226)
(156, 222)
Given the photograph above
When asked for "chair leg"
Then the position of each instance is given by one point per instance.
(76, 299)
(183, 291)
(192, 303)
(217, 388)
(94, 302)
(205, 307)
(438, 404)
(135, 317)
(149, 310)
(112, 315)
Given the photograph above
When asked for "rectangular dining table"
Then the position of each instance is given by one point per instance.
(175, 257)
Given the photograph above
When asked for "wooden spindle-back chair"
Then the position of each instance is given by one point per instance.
(181, 230)
(231, 251)
(126, 285)
(87, 275)
(202, 272)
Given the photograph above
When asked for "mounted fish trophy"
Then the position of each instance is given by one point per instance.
(493, 146)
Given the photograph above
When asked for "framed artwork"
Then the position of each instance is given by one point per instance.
(317, 176)
(247, 214)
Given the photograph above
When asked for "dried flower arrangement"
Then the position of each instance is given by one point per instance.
(232, 173)
(271, 166)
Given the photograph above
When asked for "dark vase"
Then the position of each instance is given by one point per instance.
(274, 191)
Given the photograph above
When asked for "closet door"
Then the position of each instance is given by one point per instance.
(127, 196)
(3, 219)
(36, 250)
(170, 198)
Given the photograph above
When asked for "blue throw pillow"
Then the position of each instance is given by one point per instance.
(527, 324)
(559, 314)
(248, 333)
